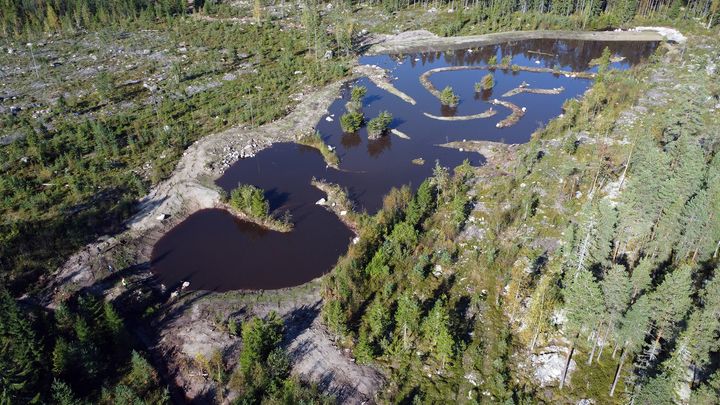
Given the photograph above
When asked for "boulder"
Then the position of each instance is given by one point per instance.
(549, 364)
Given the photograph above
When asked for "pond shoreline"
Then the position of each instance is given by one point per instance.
(188, 191)
(424, 41)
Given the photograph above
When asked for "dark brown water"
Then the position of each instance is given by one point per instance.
(214, 251)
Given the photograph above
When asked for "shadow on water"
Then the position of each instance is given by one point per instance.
(215, 251)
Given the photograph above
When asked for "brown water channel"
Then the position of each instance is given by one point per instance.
(215, 251)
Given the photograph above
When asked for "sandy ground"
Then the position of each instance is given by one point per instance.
(192, 324)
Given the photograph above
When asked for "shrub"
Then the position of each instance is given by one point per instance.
(378, 125)
(506, 61)
(351, 121)
(493, 60)
(250, 200)
(357, 93)
(487, 83)
(448, 97)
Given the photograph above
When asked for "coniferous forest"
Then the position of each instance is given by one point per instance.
(579, 267)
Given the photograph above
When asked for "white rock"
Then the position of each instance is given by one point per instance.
(321, 201)
(328, 119)
(549, 365)
(356, 240)
(343, 213)
(162, 217)
(185, 284)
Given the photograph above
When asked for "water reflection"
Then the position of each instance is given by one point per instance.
(214, 251)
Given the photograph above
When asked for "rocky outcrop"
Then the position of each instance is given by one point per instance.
(548, 365)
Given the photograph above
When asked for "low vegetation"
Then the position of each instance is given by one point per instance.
(379, 125)
(448, 97)
(251, 202)
(263, 371)
(487, 83)
(315, 140)
(352, 121)
(338, 201)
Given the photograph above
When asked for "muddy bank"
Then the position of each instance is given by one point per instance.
(485, 114)
(522, 89)
(380, 78)
(424, 41)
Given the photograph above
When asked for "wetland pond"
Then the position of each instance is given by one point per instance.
(213, 250)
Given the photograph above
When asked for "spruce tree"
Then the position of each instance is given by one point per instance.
(406, 318)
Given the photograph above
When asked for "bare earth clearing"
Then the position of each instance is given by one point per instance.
(191, 325)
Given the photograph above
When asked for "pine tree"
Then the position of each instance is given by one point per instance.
(657, 391)
(61, 356)
(617, 291)
(642, 203)
(669, 304)
(584, 306)
(594, 235)
(436, 333)
(641, 277)
(687, 165)
(700, 338)
(376, 318)
(635, 326)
